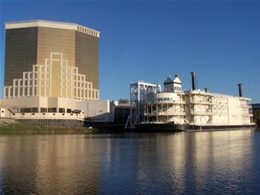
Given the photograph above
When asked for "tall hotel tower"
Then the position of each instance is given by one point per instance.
(51, 59)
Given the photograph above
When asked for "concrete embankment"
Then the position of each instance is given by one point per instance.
(7, 121)
(54, 122)
(11, 126)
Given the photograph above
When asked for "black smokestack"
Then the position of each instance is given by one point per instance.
(206, 89)
(193, 75)
(240, 89)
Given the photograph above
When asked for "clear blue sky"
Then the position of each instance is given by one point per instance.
(150, 40)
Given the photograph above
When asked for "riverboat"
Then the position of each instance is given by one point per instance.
(174, 109)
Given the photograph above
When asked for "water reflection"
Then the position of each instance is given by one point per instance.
(217, 162)
(47, 164)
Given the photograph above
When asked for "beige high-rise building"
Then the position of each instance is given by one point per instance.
(51, 59)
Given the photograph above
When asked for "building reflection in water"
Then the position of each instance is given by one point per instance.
(128, 163)
(49, 163)
(182, 162)
(211, 157)
(218, 156)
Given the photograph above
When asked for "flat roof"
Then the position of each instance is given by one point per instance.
(51, 24)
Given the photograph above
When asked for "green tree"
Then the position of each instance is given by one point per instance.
(256, 117)
(123, 101)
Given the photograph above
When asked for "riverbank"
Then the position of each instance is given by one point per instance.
(11, 126)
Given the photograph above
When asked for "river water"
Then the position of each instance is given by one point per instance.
(219, 162)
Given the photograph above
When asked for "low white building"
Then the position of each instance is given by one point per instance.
(4, 113)
(58, 108)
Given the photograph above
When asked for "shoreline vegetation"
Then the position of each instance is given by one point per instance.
(11, 126)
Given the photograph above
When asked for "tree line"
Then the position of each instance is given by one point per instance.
(256, 117)
(123, 101)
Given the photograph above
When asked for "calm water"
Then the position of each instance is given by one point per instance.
(220, 162)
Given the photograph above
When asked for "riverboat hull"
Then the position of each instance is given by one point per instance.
(171, 127)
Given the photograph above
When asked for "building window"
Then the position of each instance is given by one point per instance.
(26, 110)
(34, 109)
(52, 110)
(43, 109)
(61, 110)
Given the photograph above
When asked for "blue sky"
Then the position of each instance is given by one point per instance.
(150, 40)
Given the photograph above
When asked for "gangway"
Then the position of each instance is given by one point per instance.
(138, 90)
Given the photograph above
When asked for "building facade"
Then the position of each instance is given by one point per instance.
(51, 69)
(29, 44)
(55, 78)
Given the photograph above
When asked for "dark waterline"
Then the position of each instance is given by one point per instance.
(219, 162)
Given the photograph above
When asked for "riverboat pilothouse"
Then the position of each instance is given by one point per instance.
(174, 109)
